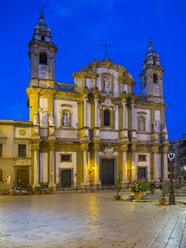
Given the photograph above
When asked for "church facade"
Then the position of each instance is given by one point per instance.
(88, 133)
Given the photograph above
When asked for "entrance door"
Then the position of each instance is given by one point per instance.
(66, 178)
(107, 172)
(22, 178)
(142, 173)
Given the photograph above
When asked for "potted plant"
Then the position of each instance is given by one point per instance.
(12, 191)
(50, 190)
(43, 191)
(138, 188)
(163, 193)
(118, 187)
(29, 190)
(37, 190)
(20, 193)
(152, 186)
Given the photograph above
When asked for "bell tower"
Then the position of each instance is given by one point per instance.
(42, 52)
(152, 76)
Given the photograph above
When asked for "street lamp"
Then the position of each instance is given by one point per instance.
(171, 156)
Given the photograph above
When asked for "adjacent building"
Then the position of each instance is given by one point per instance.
(90, 132)
(179, 147)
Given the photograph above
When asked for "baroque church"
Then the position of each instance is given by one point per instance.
(88, 133)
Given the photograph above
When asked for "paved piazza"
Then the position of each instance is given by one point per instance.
(91, 220)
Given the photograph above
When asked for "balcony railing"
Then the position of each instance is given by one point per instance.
(66, 87)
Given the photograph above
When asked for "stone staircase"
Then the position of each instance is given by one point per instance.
(180, 192)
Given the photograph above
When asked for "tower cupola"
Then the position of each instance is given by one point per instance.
(151, 57)
(42, 52)
(152, 75)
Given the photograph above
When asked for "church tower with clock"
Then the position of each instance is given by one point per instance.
(42, 52)
(152, 76)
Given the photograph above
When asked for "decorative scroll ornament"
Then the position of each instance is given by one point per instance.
(171, 156)
(108, 151)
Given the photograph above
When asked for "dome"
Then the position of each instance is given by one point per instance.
(151, 57)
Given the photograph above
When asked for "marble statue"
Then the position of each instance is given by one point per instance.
(107, 84)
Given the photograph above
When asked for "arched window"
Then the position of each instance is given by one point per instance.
(107, 118)
(1, 175)
(66, 118)
(141, 123)
(43, 59)
(155, 79)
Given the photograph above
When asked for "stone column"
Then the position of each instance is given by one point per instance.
(165, 166)
(151, 165)
(85, 167)
(97, 181)
(133, 117)
(133, 163)
(125, 179)
(96, 112)
(134, 166)
(51, 166)
(156, 165)
(85, 111)
(36, 165)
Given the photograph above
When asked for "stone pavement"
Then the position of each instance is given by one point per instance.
(89, 220)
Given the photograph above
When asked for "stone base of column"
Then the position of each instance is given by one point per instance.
(125, 184)
(52, 185)
(36, 185)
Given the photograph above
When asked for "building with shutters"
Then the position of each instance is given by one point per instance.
(88, 133)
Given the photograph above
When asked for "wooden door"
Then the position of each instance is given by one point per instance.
(107, 172)
(22, 178)
(66, 178)
(142, 173)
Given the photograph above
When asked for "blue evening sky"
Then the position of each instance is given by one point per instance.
(79, 27)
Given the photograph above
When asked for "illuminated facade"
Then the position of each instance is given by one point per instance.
(90, 132)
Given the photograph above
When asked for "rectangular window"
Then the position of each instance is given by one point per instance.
(66, 157)
(142, 158)
(1, 150)
(22, 151)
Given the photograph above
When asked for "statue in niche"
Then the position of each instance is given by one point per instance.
(51, 120)
(107, 84)
(66, 118)
(164, 128)
(155, 126)
(36, 119)
(141, 124)
(52, 131)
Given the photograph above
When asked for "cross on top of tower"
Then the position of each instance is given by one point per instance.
(41, 15)
(106, 45)
(150, 45)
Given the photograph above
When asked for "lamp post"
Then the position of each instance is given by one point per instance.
(171, 156)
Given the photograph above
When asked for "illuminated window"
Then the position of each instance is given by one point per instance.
(66, 157)
(43, 59)
(21, 151)
(142, 158)
(1, 150)
(107, 118)
(155, 79)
